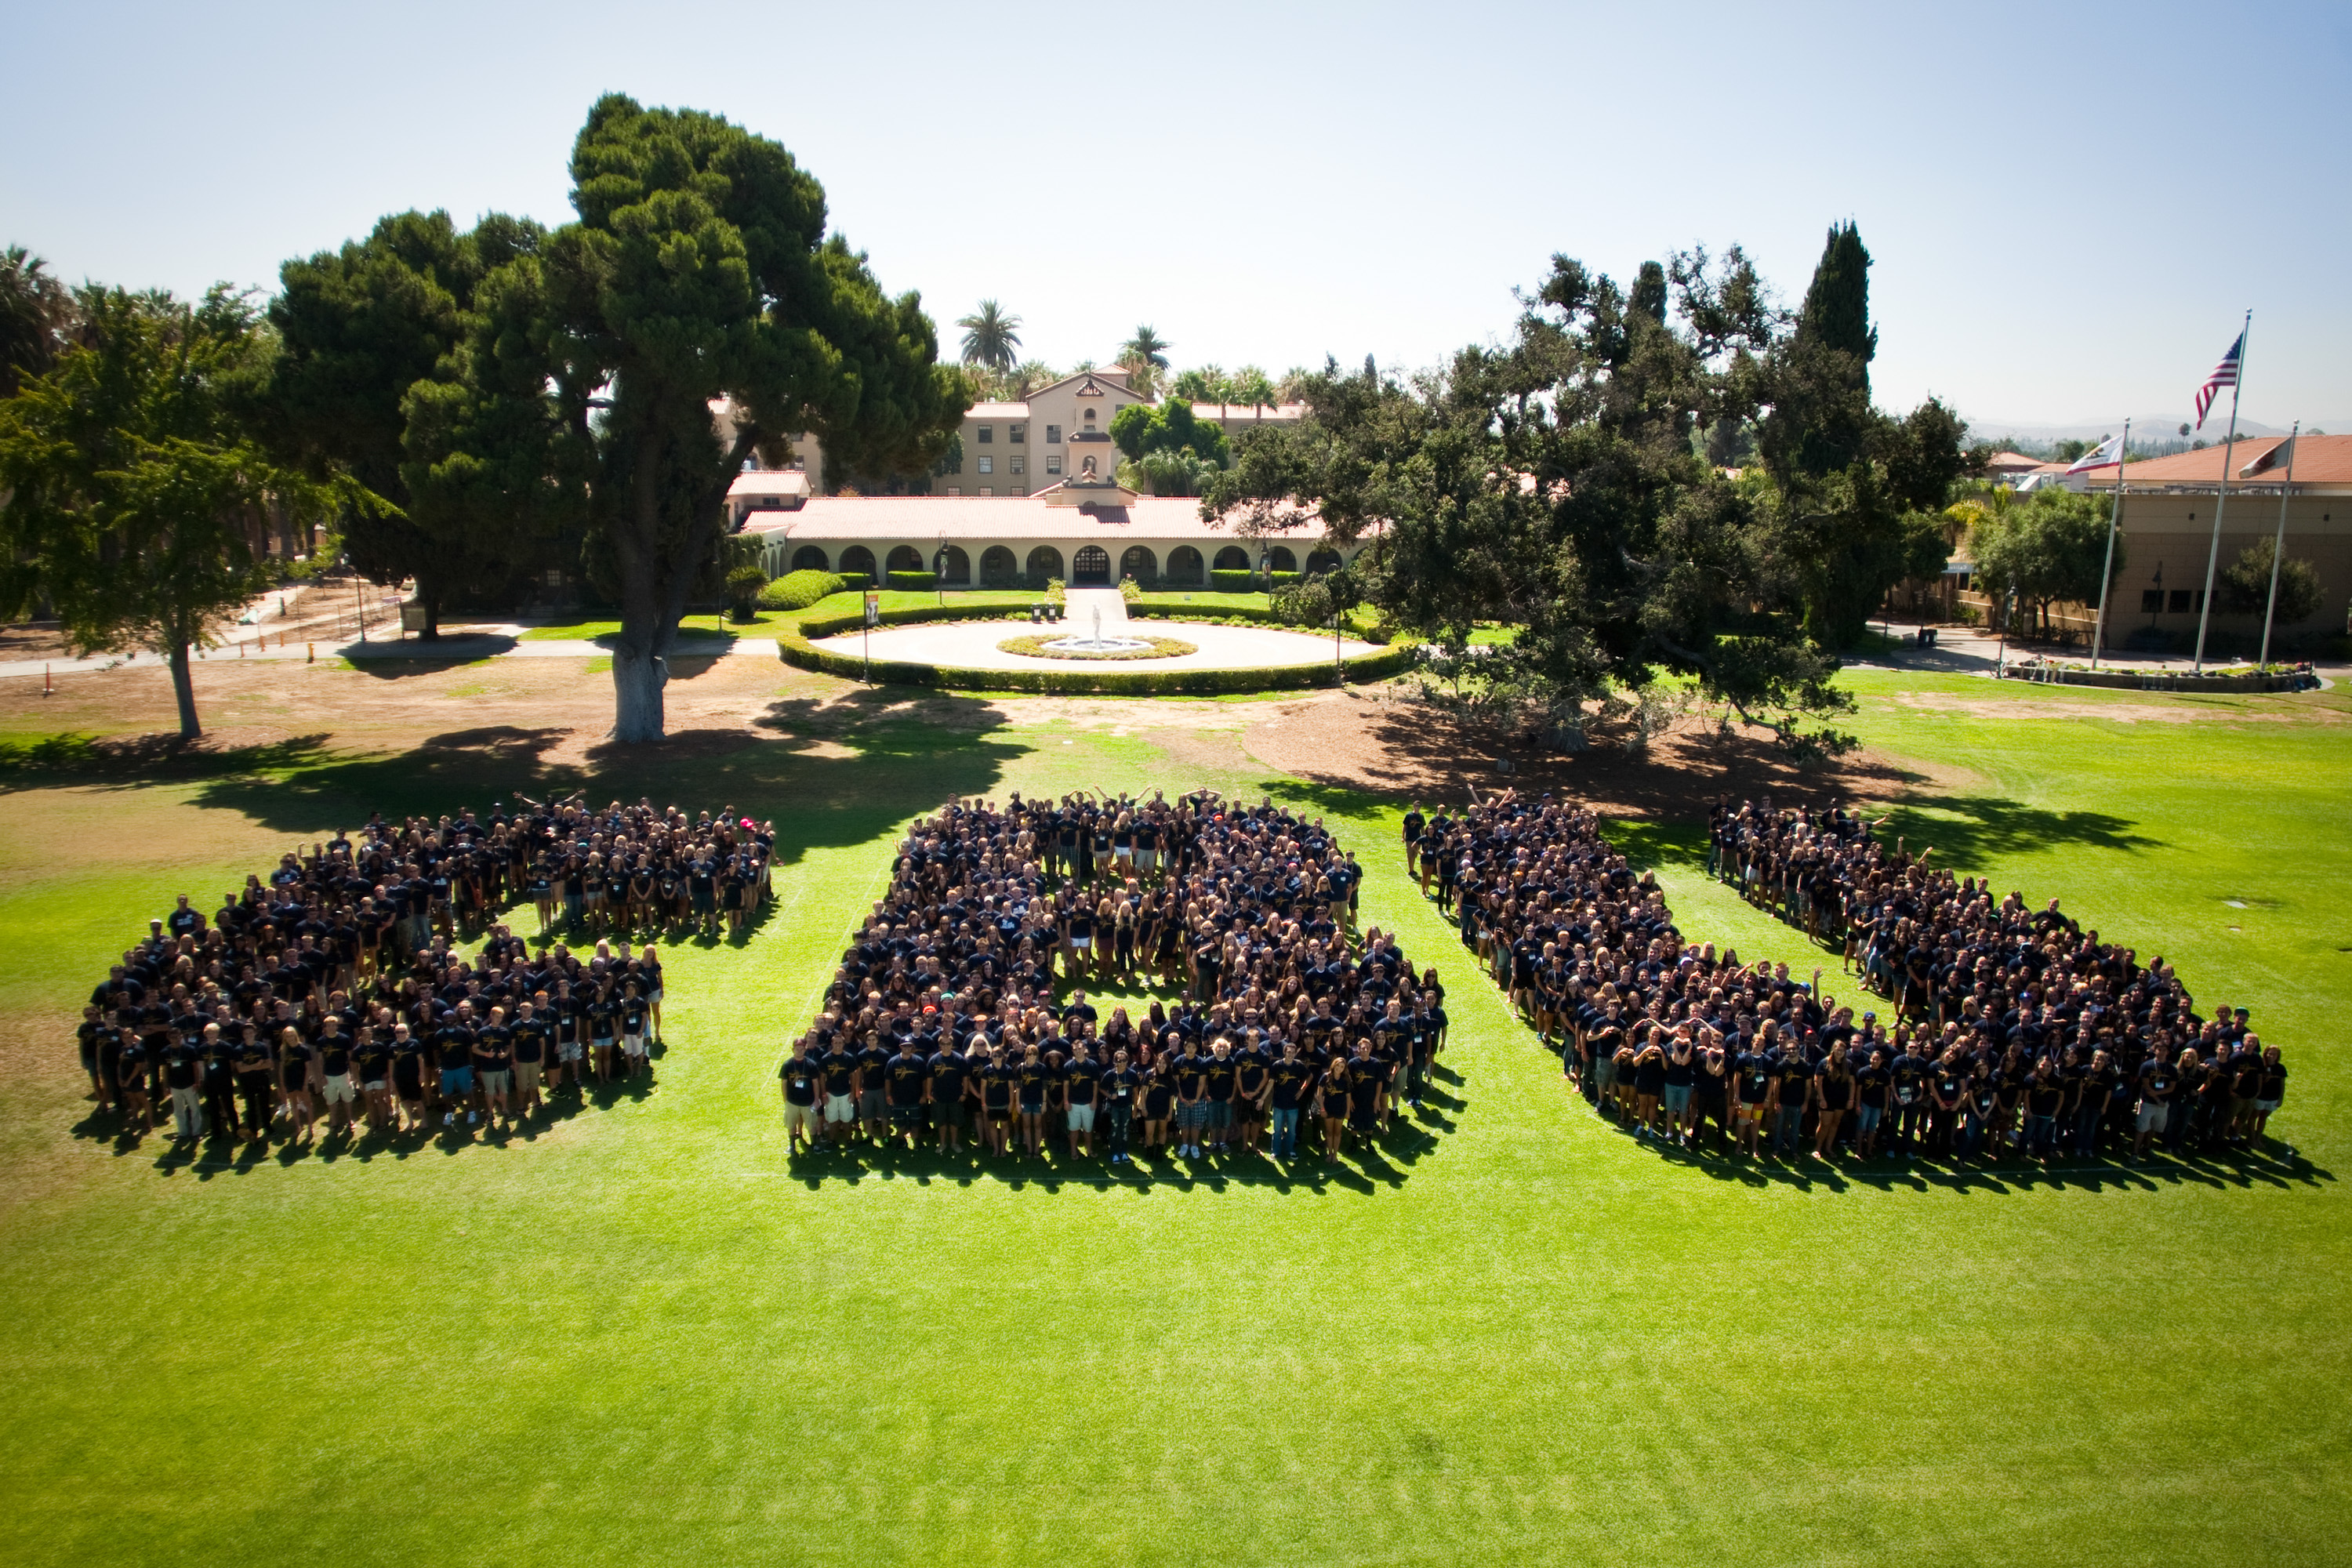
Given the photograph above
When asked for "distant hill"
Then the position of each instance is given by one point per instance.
(2150, 428)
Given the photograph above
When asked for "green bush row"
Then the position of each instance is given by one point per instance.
(913, 581)
(834, 626)
(798, 590)
(1090, 682)
(1229, 582)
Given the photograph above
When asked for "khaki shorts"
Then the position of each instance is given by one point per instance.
(339, 1090)
(799, 1118)
(527, 1077)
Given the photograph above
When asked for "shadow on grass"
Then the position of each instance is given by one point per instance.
(2278, 1166)
(233, 1152)
(1364, 1167)
(825, 779)
(419, 657)
(1967, 829)
(134, 759)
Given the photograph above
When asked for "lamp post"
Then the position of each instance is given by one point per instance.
(359, 595)
(2156, 583)
(940, 569)
(1264, 577)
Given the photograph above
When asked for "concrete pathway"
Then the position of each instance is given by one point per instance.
(972, 645)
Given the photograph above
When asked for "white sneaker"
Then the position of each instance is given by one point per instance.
(448, 1119)
(471, 1119)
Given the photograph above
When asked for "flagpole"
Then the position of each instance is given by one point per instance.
(2114, 526)
(2214, 555)
(2278, 550)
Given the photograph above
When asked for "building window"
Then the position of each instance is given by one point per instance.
(1020, 465)
(955, 489)
(2151, 600)
(988, 465)
(986, 490)
(2187, 600)
(1053, 435)
(1053, 462)
(984, 435)
(1016, 434)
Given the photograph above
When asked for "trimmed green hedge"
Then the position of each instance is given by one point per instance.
(834, 626)
(1083, 682)
(913, 581)
(798, 590)
(1216, 615)
(1247, 582)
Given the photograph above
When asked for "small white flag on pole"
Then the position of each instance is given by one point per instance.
(2107, 454)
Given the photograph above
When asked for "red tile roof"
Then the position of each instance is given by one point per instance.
(990, 518)
(2318, 460)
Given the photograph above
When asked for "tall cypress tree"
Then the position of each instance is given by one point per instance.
(1837, 304)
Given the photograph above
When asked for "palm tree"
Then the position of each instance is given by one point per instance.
(1142, 356)
(35, 308)
(991, 337)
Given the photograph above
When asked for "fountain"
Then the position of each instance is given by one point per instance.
(1095, 642)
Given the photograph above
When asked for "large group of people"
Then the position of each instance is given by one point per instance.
(1990, 1028)
(961, 1010)
(335, 988)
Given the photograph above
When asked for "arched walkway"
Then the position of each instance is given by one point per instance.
(1044, 564)
(1091, 567)
(1138, 563)
(808, 558)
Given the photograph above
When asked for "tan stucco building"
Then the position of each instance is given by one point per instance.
(2168, 530)
(1004, 448)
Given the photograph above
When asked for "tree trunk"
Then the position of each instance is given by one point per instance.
(637, 681)
(183, 690)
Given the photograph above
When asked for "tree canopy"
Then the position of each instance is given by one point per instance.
(1560, 484)
(1143, 356)
(699, 274)
(363, 329)
(140, 500)
(2245, 585)
(991, 337)
(2047, 547)
(36, 313)
(1169, 451)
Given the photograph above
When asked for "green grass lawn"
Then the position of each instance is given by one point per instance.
(641, 1334)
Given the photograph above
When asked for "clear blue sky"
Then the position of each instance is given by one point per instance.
(2069, 206)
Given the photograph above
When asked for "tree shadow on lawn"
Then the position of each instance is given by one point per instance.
(77, 758)
(1989, 825)
(826, 780)
(1893, 1174)
(422, 658)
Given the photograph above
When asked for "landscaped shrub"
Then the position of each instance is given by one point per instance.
(1229, 582)
(798, 590)
(1034, 646)
(914, 582)
(743, 586)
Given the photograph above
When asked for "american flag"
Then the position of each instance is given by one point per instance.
(2225, 374)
